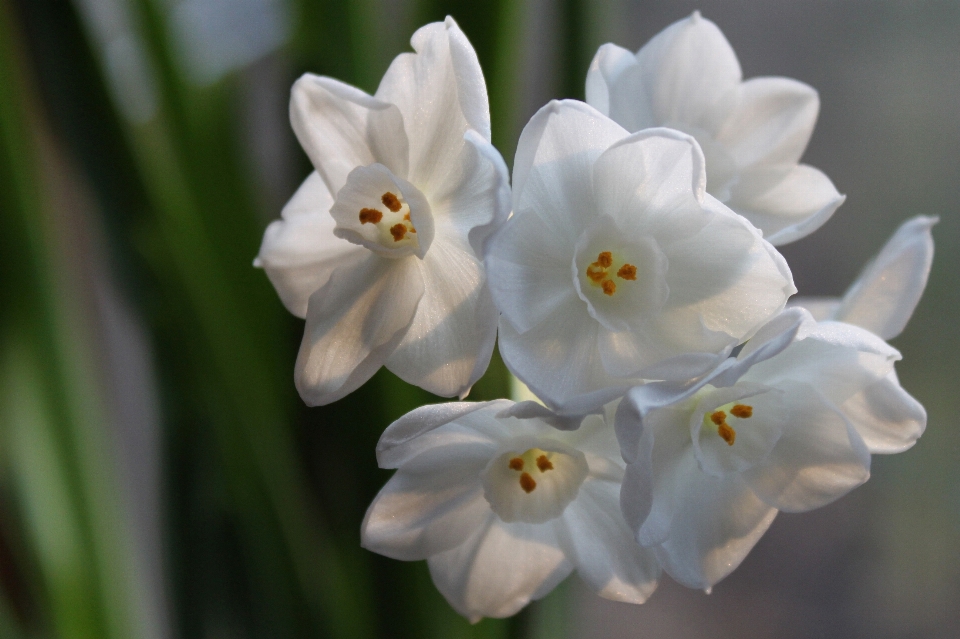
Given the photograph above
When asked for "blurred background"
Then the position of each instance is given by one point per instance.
(159, 476)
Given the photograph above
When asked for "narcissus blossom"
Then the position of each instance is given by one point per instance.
(617, 265)
(784, 426)
(504, 508)
(752, 133)
(380, 248)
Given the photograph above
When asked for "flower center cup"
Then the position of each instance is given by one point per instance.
(735, 428)
(533, 484)
(382, 212)
(622, 279)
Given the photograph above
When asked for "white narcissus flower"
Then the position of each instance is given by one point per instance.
(752, 133)
(380, 248)
(882, 300)
(787, 425)
(503, 509)
(617, 265)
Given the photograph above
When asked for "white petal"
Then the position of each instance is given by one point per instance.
(451, 338)
(819, 456)
(407, 437)
(528, 266)
(672, 466)
(653, 182)
(821, 308)
(441, 93)
(481, 201)
(887, 418)
(601, 546)
(554, 162)
(353, 324)
(838, 359)
(686, 70)
(718, 523)
(341, 127)
(884, 296)
(771, 122)
(725, 282)
(786, 208)
(604, 77)
(499, 569)
(300, 251)
(417, 515)
(560, 362)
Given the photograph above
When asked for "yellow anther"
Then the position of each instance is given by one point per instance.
(600, 272)
(391, 201)
(718, 417)
(516, 464)
(527, 483)
(372, 216)
(398, 231)
(544, 464)
(627, 272)
(742, 411)
(727, 433)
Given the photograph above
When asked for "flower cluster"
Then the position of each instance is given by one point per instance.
(629, 269)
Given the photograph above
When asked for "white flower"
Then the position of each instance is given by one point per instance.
(380, 248)
(882, 300)
(503, 509)
(616, 263)
(784, 426)
(752, 133)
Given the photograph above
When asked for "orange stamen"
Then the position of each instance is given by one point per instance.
(516, 464)
(728, 434)
(391, 201)
(398, 231)
(742, 411)
(527, 483)
(609, 288)
(718, 417)
(372, 216)
(627, 272)
(544, 464)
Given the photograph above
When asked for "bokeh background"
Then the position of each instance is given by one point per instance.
(159, 476)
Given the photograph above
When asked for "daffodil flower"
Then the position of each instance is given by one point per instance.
(617, 265)
(380, 248)
(882, 300)
(784, 426)
(752, 133)
(503, 509)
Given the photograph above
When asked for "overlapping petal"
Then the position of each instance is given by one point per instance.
(299, 252)
(354, 322)
(752, 133)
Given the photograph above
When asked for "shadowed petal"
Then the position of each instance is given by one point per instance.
(353, 324)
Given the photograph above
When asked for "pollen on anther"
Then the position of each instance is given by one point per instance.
(605, 259)
(398, 231)
(391, 201)
(727, 433)
(609, 288)
(544, 464)
(742, 411)
(627, 272)
(370, 215)
(516, 463)
(718, 417)
(527, 483)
